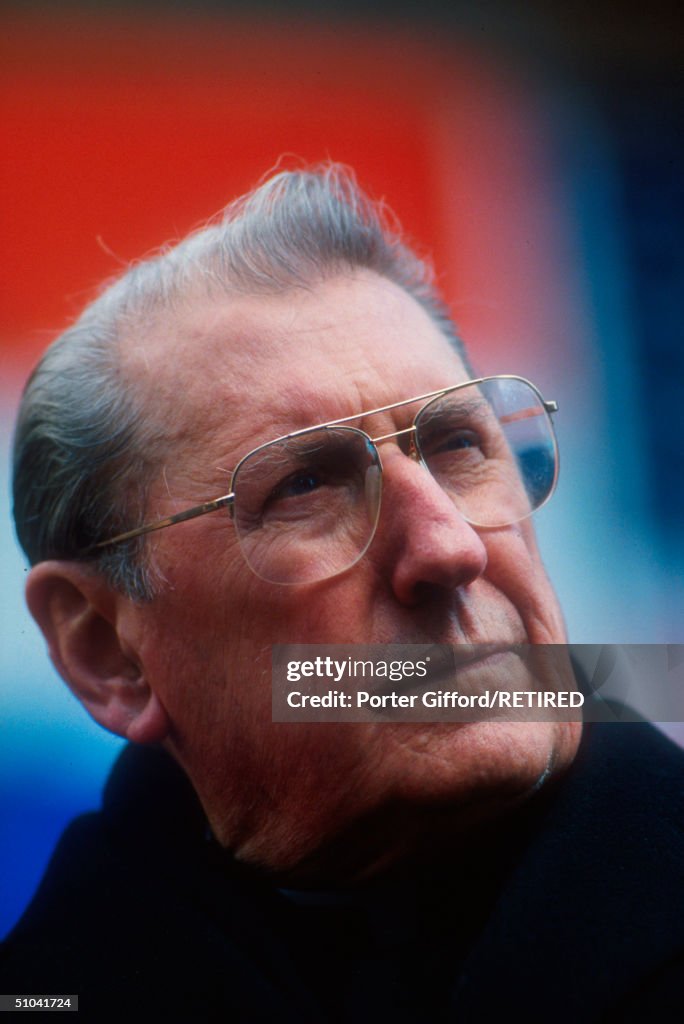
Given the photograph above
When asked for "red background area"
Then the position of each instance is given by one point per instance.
(123, 133)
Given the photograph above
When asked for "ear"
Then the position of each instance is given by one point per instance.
(79, 615)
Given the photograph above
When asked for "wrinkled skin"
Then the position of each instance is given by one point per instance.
(334, 802)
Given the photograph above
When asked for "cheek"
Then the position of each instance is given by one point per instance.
(515, 568)
(328, 612)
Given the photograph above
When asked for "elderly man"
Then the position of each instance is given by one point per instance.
(267, 435)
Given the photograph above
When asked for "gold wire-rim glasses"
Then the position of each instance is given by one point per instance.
(227, 500)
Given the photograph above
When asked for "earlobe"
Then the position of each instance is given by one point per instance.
(77, 613)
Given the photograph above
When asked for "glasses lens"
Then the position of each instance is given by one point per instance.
(491, 446)
(306, 507)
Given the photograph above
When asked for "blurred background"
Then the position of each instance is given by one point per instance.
(535, 150)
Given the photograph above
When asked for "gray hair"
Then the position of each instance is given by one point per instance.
(86, 447)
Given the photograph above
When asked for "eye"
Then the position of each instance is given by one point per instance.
(456, 427)
(458, 440)
(297, 485)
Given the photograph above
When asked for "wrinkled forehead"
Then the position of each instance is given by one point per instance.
(280, 362)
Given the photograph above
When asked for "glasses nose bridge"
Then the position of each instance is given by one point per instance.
(409, 432)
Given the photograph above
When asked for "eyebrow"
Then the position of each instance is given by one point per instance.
(465, 406)
(372, 412)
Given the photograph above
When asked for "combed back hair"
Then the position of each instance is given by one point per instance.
(85, 450)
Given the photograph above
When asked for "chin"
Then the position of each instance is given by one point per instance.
(481, 768)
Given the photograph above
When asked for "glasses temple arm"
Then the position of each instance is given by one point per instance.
(180, 517)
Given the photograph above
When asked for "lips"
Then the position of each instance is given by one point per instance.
(457, 656)
(446, 663)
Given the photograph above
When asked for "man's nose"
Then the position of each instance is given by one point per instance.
(425, 543)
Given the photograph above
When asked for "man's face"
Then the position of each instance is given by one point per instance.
(228, 376)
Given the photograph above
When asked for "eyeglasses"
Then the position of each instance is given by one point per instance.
(305, 507)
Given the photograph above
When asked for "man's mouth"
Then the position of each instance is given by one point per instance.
(455, 665)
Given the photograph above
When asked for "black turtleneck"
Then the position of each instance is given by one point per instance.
(570, 910)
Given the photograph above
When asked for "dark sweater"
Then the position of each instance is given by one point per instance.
(571, 912)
